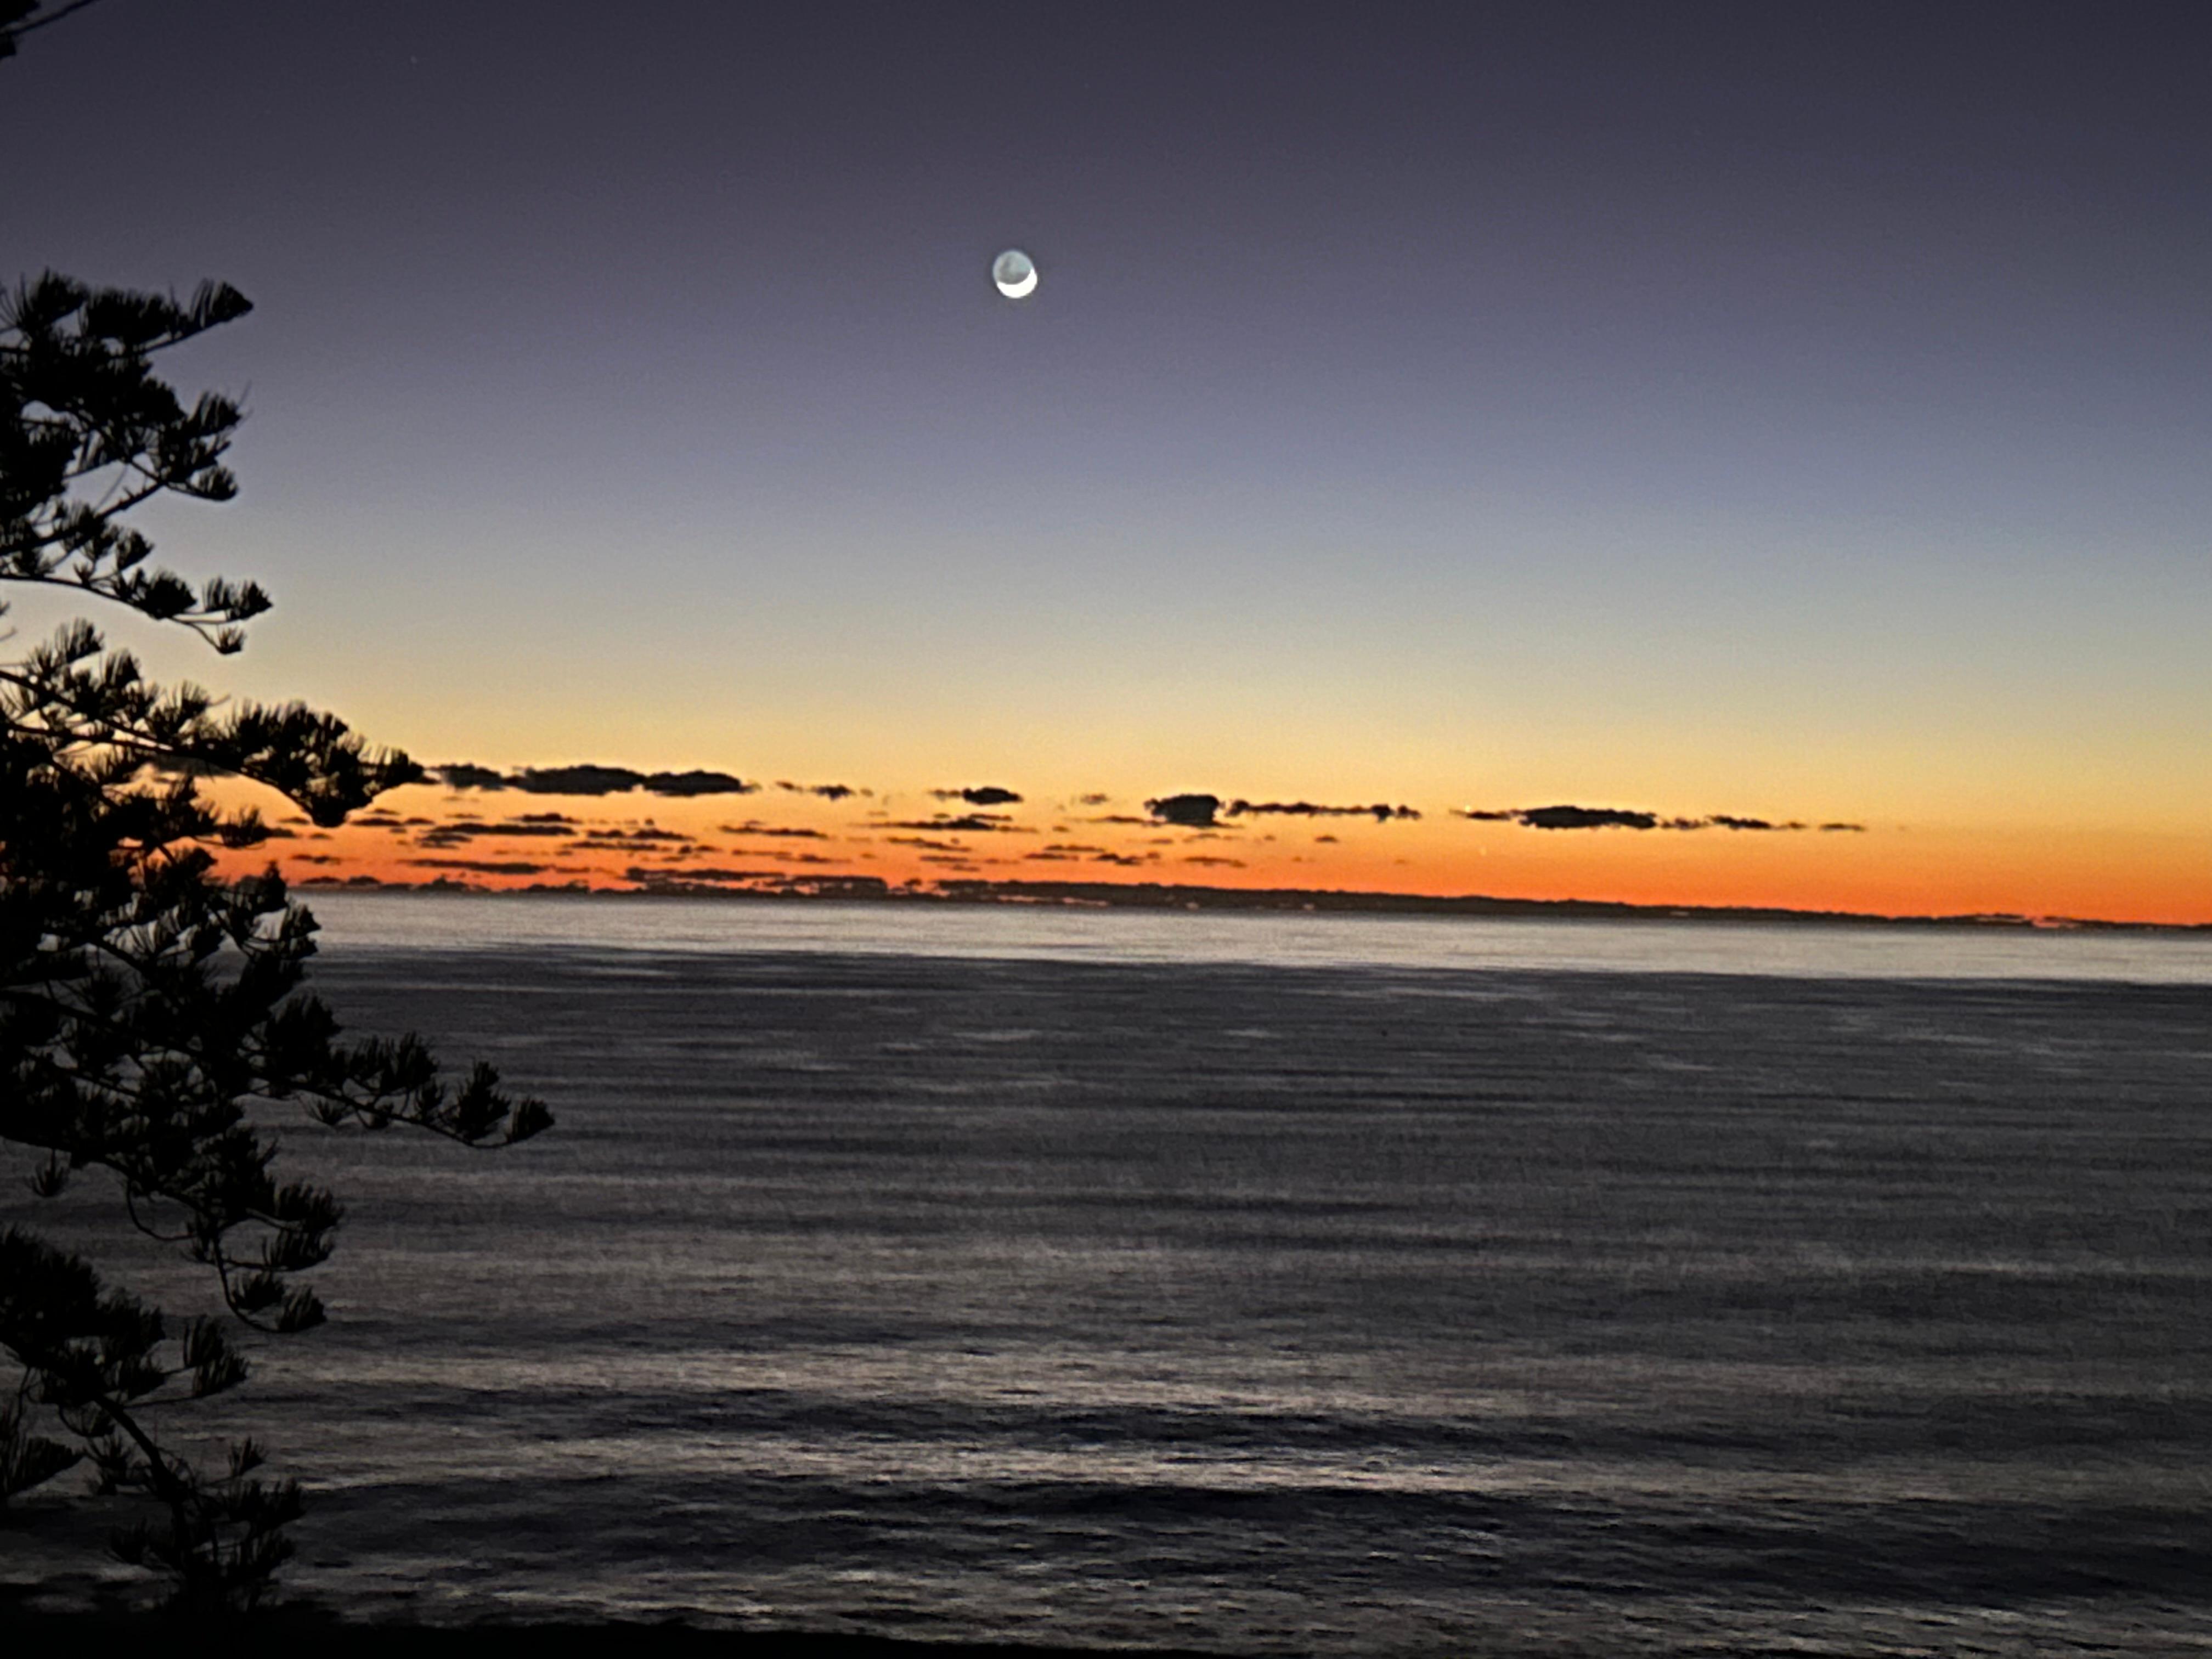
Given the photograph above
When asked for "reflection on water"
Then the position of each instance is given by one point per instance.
(1106, 1298)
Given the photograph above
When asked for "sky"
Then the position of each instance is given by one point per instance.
(1693, 414)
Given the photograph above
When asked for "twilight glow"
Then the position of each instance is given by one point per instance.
(1716, 425)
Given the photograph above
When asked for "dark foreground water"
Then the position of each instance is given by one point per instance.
(1335, 1310)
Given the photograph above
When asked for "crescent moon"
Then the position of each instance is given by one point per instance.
(1017, 290)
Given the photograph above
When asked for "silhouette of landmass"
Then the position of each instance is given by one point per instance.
(1165, 895)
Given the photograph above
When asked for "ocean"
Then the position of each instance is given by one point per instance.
(1260, 1283)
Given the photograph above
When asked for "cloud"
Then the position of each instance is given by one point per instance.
(684, 785)
(827, 791)
(1610, 818)
(645, 877)
(581, 779)
(988, 794)
(1566, 817)
(1848, 828)
(1094, 799)
(649, 833)
(1210, 859)
(452, 835)
(483, 867)
(925, 842)
(755, 827)
(462, 775)
(1728, 821)
(1198, 811)
(1381, 811)
(1208, 811)
(1070, 852)
(1585, 817)
(591, 780)
(970, 823)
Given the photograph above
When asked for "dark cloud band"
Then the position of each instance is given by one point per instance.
(1612, 818)
(1197, 812)
(981, 823)
(484, 867)
(988, 795)
(589, 780)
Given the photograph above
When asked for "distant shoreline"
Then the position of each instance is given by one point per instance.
(1158, 895)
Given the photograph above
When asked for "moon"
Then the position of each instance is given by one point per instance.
(1015, 273)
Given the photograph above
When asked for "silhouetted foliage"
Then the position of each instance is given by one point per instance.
(147, 1005)
(19, 17)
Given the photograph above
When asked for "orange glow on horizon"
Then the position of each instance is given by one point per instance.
(510, 841)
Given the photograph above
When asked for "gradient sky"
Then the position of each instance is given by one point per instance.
(1788, 413)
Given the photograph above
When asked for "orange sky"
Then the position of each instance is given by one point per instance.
(775, 837)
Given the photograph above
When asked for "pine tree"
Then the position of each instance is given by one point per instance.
(19, 17)
(149, 1008)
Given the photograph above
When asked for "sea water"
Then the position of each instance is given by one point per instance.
(1262, 1283)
